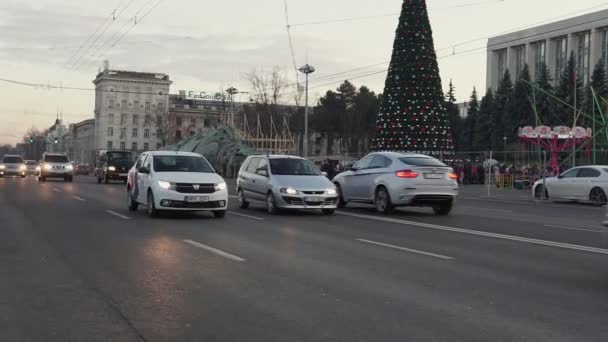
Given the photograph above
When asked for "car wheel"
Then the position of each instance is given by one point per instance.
(219, 213)
(271, 204)
(243, 204)
(328, 212)
(442, 209)
(382, 200)
(598, 197)
(540, 191)
(131, 203)
(341, 202)
(152, 211)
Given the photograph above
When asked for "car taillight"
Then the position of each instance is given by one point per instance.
(407, 174)
(453, 175)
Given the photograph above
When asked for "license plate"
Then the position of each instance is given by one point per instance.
(197, 199)
(122, 175)
(433, 175)
(314, 199)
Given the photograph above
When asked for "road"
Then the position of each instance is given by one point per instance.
(75, 265)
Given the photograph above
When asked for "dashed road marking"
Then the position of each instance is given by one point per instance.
(117, 214)
(214, 251)
(79, 198)
(439, 256)
(56, 190)
(247, 216)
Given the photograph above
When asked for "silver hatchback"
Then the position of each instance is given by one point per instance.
(285, 182)
(390, 179)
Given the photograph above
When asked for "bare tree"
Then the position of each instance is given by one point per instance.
(268, 90)
(166, 124)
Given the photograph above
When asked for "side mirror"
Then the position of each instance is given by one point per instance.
(263, 172)
(353, 168)
(324, 174)
(143, 169)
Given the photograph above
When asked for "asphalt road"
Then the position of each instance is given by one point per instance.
(75, 265)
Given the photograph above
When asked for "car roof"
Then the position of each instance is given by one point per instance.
(54, 154)
(276, 156)
(173, 153)
(402, 154)
(11, 155)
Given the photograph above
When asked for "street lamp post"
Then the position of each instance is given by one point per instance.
(232, 91)
(307, 70)
(505, 157)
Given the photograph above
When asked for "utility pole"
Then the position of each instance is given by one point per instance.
(233, 91)
(307, 70)
(574, 124)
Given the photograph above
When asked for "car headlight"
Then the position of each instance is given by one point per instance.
(69, 168)
(2, 167)
(289, 191)
(220, 186)
(166, 185)
(48, 166)
(111, 168)
(331, 192)
(22, 168)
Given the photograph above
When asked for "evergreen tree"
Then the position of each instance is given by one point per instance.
(413, 116)
(501, 117)
(482, 136)
(570, 90)
(471, 121)
(600, 88)
(519, 113)
(545, 105)
(454, 116)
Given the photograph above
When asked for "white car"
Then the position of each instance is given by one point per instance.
(176, 181)
(12, 166)
(56, 165)
(581, 184)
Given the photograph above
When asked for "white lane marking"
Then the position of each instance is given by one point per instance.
(214, 250)
(232, 196)
(528, 202)
(56, 190)
(482, 233)
(117, 214)
(406, 249)
(478, 208)
(572, 228)
(247, 216)
(79, 198)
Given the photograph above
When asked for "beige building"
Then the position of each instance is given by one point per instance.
(586, 36)
(188, 116)
(128, 109)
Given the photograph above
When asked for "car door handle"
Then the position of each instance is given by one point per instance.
(253, 181)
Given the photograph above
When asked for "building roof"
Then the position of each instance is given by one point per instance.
(131, 76)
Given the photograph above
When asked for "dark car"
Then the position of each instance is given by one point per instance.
(114, 165)
(82, 170)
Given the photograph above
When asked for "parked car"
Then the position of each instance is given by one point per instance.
(285, 182)
(56, 165)
(12, 165)
(389, 179)
(176, 181)
(581, 184)
(113, 165)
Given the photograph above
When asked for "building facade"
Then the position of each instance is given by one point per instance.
(83, 142)
(188, 117)
(129, 109)
(585, 36)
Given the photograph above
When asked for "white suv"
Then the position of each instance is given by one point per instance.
(176, 181)
(12, 166)
(56, 165)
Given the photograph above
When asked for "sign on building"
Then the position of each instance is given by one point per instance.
(201, 95)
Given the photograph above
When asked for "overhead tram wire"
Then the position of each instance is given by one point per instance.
(293, 54)
(115, 17)
(50, 86)
(134, 20)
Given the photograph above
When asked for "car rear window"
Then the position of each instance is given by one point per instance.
(12, 160)
(421, 161)
(56, 159)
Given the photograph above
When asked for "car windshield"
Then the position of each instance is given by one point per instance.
(181, 164)
(12, 160)
(293, 167)
(421, 161)
(56, 159)
(119, 156)
(30, 162)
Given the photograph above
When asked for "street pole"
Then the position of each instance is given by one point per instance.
(505, 150)
(574, 125)
(307, 70)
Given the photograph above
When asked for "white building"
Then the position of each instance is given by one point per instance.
(83, 140)
(586, 36)
(128, 109)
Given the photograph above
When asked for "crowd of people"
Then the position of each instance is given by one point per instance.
(476, 173)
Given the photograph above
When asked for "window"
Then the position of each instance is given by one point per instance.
(147, 120)
(422, 161)
(123, 119)
(109, 145)
(146, 133)
(520, 60)
(54, 159)
(159, 120)
(178, 135)
(111, 118)
(583, 56)
(159, 132)
(181, 164)
(178, 121)
(135, 119)
(136, 105)
(147, 106)
(570, 173)
(13, 160)
(158, 145)
(363, 163)
(561, 56)
(134, 133)
(137, 91)
(192, 122)
(540, 52)
(140, 161)
(123, 104)
(111, 104)
(125, 92)
(123, 133)
(205, 122)
(588, 173)
(110, 131)
(380, 162)
(501, 58)
(134, 146)
(292, 167)
(149, 92)
(123, 145)
(262, 166)
(253, 165)
(146, 146)
(160, 105)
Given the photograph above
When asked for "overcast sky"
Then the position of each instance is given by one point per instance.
(209, 45)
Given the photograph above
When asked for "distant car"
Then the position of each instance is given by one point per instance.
(31, 167)
(285, 182)
(114, 165)
(176, 181)
(389, 179)
(56, 165)
(12, 165)
(581, 184)
(82, 170)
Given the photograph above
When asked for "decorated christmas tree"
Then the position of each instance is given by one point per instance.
(413, 116)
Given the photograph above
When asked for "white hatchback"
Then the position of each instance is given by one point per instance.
(176, 181)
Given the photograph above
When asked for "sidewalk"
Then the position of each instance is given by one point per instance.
(482, 191)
